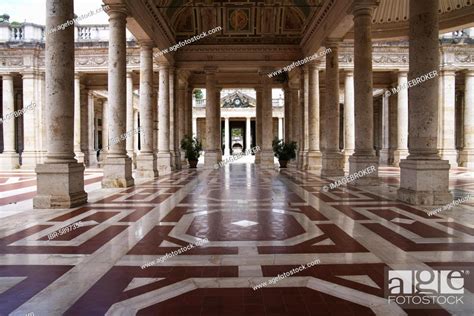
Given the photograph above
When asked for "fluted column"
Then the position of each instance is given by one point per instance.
(349, 117)
(31, 155)
(146, 159)
(364, 155)
(118, 166)
(332, 159)
(226, 137)
(9, 159)
(60, 180)
(84, 113)
(448, 143)
(258, 122)
(130, 140)
(136, 147)
(402, 120)
(295, 121)
(189, 129)
(424, 177)
(92, 155)
(287, 110)
(314, 153)
(212, 149)
(266, 157)
(467, 154)
(164, 154)
(77, 118)
(384, 117)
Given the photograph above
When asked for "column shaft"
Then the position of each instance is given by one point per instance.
(118, 166)
(349, 117)
(332, 159)
(402, 120)
(60, 180)
(91, 129)
(314, 154)
(9, 159)
(424, 178)
(226, 137)
(447, 107)
(266, 157)
(77, 119)
(364, 155)
(467, 155)
(258, 123)
(288, 135)
(164, 154)
(129, 141)
(212, 121)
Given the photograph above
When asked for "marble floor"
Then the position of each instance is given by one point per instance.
(259, 224)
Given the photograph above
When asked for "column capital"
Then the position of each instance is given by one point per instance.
(448, 71)
(77, 76)
(332, 42)
(364, 7)
(163, 66)
(469, 72)
(314, 64)
(7, 76)
(130, 74)
(348, 72)
(146, 43)
(118, 10)
(29, 74)
(402, 72)
(208, 70)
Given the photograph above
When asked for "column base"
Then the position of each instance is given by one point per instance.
(266, 159)
(347, 154)
(177, 160)
(91, 159)
(59, 186)
(30, 159)
(450, 155)
(398, 156)
(314, 161)
(146, 166)
(117, 173)
(80, 157)
(258, 158)
(184, 161)
(360, 163)
(466, 159)
(386, 156)
(211, 158)
(9, 161)
(424, 182)
(163, 160)
(133, 156)
(300, 160)
(332, 165)
(173, 160)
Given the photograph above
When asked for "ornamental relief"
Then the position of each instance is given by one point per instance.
(11, 61)
(464, 57)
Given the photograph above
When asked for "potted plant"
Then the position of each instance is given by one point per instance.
(192, 148)
(284, 151)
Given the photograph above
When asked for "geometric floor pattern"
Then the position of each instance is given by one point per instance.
(258, 223)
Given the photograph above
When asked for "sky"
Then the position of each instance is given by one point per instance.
(34, 11)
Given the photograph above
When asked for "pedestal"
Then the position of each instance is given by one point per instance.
(119, 173)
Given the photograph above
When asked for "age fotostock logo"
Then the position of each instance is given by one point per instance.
(419, 288)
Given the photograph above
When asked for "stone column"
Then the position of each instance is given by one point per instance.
(266, 156)
(31, 155)
(424, 177)
(92, 155)
(118, 166)
(467, 154)
(9, 159)
(332, 159)
(190, 129)
(402, 120)
(364, 155)
(77, 118)
(280, 128)
(181, 116)
(385, 127)
(349, 117)
(136, 135)
(305, 120)
(248, 133)
(105, 132)
(194, 127)
(218, 134)
(287, 109)
(212, 149)
(84, 125)
(314, 154)
(303, 99)
(129, 141)
(60, 180)
(448, 143)
(226, 137)
(146, 159)
(258, 123)
(295, 121)
(172, 120)
(164, 154)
